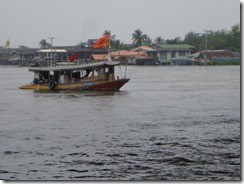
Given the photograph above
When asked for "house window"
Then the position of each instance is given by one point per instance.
(163, 55)
(182, 53)
(173, 54)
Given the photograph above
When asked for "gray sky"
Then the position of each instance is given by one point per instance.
(26, 22)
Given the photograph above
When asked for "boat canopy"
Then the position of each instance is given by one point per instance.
(75, 67)
(52, 50)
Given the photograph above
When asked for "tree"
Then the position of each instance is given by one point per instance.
(148, 41)
(44, 44)
(218, 39)
(112, 37)
(235, 38)
(81, 44)
(176, 40)
(159, 40)
(107, 32)
(139, 38)
(193, 39)
(113, 41)
(23, 47)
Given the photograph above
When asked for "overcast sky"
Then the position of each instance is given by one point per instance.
(26, 22)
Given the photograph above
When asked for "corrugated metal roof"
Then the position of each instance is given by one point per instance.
(53, 50)
(123, 53)
(100, 56)
(24, 51)
(174, 47)
(213, 54)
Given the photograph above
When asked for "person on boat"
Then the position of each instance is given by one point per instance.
(56, 76)
(36, 78)
(64, 78)
(88, 71)
(42, 79)
(76, 76)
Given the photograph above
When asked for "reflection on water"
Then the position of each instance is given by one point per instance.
(167, 123)
(79, 93)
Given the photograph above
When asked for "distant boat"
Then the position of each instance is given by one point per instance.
(93, 76)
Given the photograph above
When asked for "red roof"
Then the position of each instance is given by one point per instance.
(142, 48)
(100, 56)
(139, 52)
(123, 53)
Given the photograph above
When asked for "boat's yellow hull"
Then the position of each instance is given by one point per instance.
(46, 86)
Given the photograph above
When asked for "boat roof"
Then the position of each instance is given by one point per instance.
(52, 50)
(76, 67)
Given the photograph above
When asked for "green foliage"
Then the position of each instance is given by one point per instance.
(139, 38)
(115, 43)
(194, 39)
(224, 62)
(159, 40)
(23, 47)
(44, 44)
(176, 40)
(227, 62)
(220, 39)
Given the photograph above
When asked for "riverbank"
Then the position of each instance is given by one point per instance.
(225, 62)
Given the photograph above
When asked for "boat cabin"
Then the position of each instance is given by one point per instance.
(67, 74)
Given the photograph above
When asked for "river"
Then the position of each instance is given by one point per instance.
(166, 123)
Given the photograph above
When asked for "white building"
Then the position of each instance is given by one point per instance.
(165, 53)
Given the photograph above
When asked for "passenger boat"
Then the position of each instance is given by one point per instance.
(93, 76)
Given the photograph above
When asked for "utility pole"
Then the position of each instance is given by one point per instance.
(51, 49)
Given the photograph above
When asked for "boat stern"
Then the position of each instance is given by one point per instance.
(113, 85)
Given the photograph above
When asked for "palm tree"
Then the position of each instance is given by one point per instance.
(112, 37)
(107, 32)
(176, 40)
(44, 44)
(139, 38)
(113, 42)
(193, 39)
(159, 40)
(148, 41)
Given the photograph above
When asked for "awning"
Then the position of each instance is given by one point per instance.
(53, 50)
(76, 67)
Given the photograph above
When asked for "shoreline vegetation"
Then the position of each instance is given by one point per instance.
(224, 62)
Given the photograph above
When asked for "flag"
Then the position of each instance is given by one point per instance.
(73, 57)
(102, 42)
